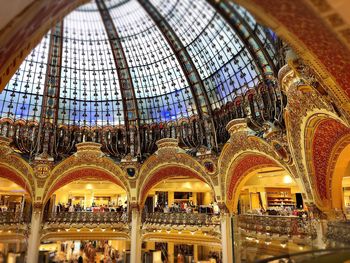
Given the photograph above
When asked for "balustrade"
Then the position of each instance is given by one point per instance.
(197, 219)
(86, 218)
(277, 225)
(8, 218)
(339, 231)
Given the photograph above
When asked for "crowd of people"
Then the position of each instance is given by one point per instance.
(186, 207)
(70, 207)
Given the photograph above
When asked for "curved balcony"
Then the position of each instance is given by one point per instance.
(10, 218)
(96, 225)
(86, 218)
(189, 219)
(277, 225)
(13, 225)
(338, 232)
(197, 228)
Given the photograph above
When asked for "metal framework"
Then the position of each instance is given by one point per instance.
(131, 113)
(233, 20)
(190, 71)
(49, 110)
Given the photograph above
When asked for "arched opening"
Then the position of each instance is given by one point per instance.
(85, 214)
(15, 212)
(273, 218)
(341, 182)
(180, 203)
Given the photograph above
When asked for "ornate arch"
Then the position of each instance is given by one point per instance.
(243, 165)
(15, 168)
(88, 162)
(242, 143)
(324, 139)
(168, 161)
(166, 171)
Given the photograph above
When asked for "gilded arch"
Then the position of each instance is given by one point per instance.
(15, 168)
(168, 161)
(88, 162)
(325, 137)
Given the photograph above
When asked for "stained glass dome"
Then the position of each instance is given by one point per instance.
(126, 73)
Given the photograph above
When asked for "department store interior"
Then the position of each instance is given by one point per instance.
(178, 131)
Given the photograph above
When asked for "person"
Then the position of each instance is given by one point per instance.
(72, 248)
(71, 208)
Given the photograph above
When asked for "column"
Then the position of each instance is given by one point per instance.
(226, 238)
(135, 249)
(34, 237)
(195, 253)
(171, 252)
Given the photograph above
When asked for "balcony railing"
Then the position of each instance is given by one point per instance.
(86, 218)
(339, 231)
(195, 219)
(277, 225)
(8, 218)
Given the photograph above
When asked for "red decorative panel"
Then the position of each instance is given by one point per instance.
(14, 177)
(168, 172)
(86, 173)
(327, 134)
(310, 29)
(246, 164)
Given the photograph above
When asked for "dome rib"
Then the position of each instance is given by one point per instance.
(245, 34)
(191, 73)
(131, 112)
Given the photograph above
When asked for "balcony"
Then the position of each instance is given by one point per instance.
(197, 228)
(288, 226)
(13, 225)
(338, 233)
(94, 224)
(187, 219)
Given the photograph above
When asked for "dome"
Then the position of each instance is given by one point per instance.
(128, 73)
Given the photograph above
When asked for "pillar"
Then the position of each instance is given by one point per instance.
(226, 238)
(195, 253)
(171, 252)
(135, 249)
(34, 237)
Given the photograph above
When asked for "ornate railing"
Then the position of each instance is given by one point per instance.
(8, 218)
(280, 225)
(195, 219)
(339, 231)
(86, 218)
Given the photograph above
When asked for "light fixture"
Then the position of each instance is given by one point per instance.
(78, 229)
(58, 230)
(287, 179)
(103, 229)
(168, 231)
(113, 230)
(91, 230)
(67, 229)
(179, 232)
(192, 232)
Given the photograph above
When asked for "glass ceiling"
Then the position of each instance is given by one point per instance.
(90, 90)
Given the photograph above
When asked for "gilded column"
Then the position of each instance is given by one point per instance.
(226, 235)
(34, 237)
(135, 248)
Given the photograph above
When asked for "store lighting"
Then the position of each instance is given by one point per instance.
(91, 230)
(287, 179)
(179, 232)
(78, 229)
(159, 230)
(103, 229)
(168, 231)
(192, 232)
(113, 230)
(58, 230)
(67, 229)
